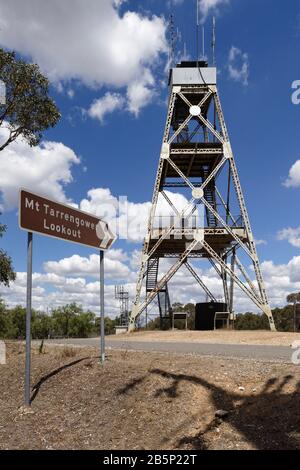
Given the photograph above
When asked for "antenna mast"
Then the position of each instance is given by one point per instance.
(213, 45)
(198, 34)
(172, 40)
(197, 28)
(185, 51)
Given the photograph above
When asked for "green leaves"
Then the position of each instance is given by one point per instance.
(7, 273)
(2, 230)
(28, 110)
(293, 298)
(67, 321)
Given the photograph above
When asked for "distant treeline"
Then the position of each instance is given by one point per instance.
(75, 322)
(68, 321)
(283, 318)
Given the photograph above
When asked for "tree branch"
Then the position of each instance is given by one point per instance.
(14, 134)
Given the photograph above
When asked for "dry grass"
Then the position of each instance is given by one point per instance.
(65, 352)
(147, 401)
(211, 337)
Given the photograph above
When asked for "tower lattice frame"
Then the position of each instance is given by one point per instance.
(197, 159)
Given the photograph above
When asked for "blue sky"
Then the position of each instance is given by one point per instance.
(119, 150)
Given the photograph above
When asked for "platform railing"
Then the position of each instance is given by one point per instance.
(192, 222)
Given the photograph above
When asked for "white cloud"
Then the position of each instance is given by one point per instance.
(272, 270)
(71, 93)
(118, 3)
(293, 181)
(260, 242)
(140, 93)
(294, 269)
(135, 259)
(109, 103)
(292, 235)
(238, 65)
(206, 6)
(80, 266)
(86, 41)
(45, 169)
(39, 278)
(68, 290)
(100, 202)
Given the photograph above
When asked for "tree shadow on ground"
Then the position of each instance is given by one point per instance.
(37, 386)
(269, 419)
(131, 385)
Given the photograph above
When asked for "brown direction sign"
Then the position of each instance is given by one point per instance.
(44, 216)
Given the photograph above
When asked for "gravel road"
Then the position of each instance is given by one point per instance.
(257, 352)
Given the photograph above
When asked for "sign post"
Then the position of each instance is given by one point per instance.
(28, 319)
(46, 217)
(102, 324)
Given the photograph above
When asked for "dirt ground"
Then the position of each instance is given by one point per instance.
(219, 336)
(147, 401)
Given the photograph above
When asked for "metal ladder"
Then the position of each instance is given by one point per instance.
(210, 196)
(164, 303)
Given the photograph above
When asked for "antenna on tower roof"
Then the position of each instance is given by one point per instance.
(172, 40)
(213, 44)
(185, 54)
(198, 34)
(197, 28)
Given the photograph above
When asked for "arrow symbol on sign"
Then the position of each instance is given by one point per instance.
(104, 234)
